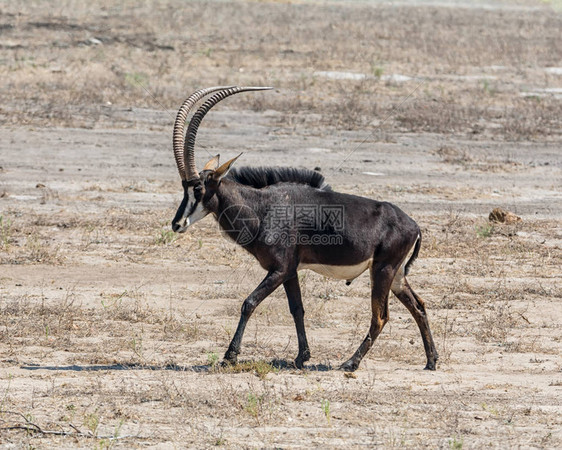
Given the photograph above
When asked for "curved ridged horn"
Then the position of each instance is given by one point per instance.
(179, 127)
(188, 152)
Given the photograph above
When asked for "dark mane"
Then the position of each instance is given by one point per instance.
(260, 177)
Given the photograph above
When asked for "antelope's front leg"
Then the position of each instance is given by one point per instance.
(271, 282)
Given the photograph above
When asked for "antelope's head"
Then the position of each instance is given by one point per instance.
(198, 187)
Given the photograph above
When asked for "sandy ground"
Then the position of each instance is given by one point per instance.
(111, 326)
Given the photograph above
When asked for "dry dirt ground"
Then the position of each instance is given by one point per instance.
(111, 326)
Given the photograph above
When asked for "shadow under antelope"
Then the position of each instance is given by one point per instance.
(290, 219)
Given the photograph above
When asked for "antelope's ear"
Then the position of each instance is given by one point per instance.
(221, 172)
(213, 163)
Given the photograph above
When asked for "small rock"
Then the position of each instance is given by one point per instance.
(349, 375)
(500, 215)
(39, 186)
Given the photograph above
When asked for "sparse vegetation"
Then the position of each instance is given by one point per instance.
(212, 359)
(377, 70)
(166, 237)
(253, 405)
(5, 232)
(92, 421)
(260, 368)
(326, 409)
(136, 79)
(459, 79)
(114, 327)
(456, 443)
(485, 231)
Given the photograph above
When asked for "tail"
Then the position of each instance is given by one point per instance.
(414, 254)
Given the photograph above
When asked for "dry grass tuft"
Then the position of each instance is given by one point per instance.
(260, 368)
(111, 324)
(92, 84)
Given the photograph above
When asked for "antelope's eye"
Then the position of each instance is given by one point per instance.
(197, 192)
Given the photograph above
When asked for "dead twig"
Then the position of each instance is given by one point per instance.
(32, 427)
(524, 318)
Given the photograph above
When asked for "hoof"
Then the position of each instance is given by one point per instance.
(230, 359)
(301, 359)
(349, 366)
(429, 366)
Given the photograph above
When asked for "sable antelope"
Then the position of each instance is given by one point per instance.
(290, 219)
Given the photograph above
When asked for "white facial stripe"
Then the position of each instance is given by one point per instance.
(197, 215)
(191, 201)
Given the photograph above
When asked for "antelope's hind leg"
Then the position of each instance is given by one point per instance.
(293, 291)
(381, 280)
(415, 305)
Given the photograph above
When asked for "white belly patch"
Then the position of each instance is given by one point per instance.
(339, 272)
